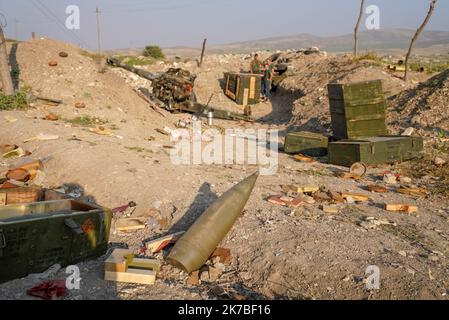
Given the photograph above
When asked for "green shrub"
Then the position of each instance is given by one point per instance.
(153, 52)
(17, 101)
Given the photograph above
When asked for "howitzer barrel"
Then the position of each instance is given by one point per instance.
(144, 74)
(199, 242)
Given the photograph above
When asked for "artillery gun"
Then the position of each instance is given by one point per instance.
(174, 91)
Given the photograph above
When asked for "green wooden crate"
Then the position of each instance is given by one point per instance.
(357, 110)
(36, 236)
(243, 88)
(376, 150)
(307, 143)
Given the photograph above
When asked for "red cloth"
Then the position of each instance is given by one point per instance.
(49, 290)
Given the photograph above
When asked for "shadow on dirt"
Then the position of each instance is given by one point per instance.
(205, 197)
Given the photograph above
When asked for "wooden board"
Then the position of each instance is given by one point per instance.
(245, 96)
(356, 197)
(401, 208)
(155, 245)
(117, 261)
(132, 276)
(252, 88)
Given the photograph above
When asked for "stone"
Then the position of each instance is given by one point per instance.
(405, 180)
(439, 162)
(350, 200)
(80, 105)
(214, 274)
(390, 179)
(194, 279)
(408, 132)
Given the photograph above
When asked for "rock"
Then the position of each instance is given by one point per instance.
(350, 200)
(390, 179)
(330, 209)
(214, 274)
(408, 132)
(205, 276)
(80, 105)
(405, 180)
(53, 63)
(439, 162)
(194, 279)
(223, 254)
(63, 54)
(403, 253)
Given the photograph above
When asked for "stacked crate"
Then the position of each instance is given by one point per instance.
(358, 109)
(358, 112)
(243, 88)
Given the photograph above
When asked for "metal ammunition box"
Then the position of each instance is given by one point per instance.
(358, 109)
(376, 150)
(36, 236)
(243, 88)
(307, 143)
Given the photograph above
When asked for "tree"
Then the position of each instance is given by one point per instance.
(153, 52)
(5, 73)
(356, 30)
(417, 34)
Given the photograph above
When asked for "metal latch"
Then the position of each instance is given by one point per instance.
(75, 227)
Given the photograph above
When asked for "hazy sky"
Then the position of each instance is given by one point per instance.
(135, 23)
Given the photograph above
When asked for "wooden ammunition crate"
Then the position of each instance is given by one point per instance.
(35, 236)
(28, 195)
(358, 109)
(376, 150)
(306, 143)
(243, 88)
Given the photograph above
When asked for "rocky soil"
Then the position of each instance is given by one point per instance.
(277, 252)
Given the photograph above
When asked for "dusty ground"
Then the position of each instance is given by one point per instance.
(278, 253)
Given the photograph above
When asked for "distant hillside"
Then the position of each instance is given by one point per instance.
(369, 40)
(382, 39)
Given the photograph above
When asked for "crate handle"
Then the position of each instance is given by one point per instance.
(75, 227)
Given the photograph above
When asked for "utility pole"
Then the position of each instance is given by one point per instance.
(98, 31)
(202, 53)
(5, 72)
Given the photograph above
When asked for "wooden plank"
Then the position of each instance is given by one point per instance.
(132, 276)
(156, 245)
(147, 264)
(245, 96)
(356, 197)
(117, 261)
(252, 88)
(401, 208)
(307, 189)
(302, 158)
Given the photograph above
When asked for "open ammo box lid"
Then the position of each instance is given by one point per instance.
(42, 210)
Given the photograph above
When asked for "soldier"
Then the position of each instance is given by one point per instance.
(267, 79)
(256, 65)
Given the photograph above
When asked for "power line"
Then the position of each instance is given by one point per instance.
(52, 17)
(168, 6)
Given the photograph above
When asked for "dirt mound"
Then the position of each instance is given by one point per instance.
(425, 107)
(311, 107)
(77, 78)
